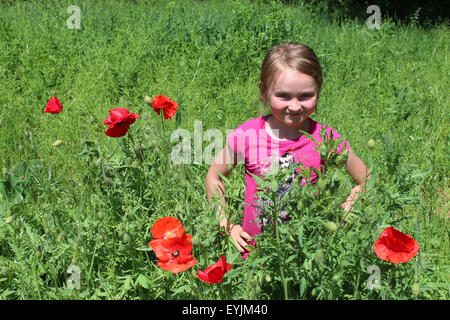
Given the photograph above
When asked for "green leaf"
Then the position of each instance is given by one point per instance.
(142, 281)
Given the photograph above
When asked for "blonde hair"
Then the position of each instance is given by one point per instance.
(290, 55)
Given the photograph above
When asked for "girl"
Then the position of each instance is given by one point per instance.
(290, 82)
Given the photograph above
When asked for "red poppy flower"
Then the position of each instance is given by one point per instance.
(119, 121)
(53, 106)
(174, 253)
(167, 227)
(395, 246)
(215, 272)
(168, 106)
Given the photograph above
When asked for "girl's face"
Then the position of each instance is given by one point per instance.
(292, 98)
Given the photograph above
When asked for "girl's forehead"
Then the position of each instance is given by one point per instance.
(291, 80)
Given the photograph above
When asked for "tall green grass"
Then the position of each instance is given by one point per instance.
(390, 85)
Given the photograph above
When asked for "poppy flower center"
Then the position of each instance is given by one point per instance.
(121, 123)
(176, 253)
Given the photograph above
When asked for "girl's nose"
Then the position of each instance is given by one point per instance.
(295, 106)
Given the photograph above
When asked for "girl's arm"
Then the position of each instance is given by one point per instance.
(216, 188)
(358, 171)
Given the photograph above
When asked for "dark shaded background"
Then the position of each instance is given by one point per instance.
(423, 12)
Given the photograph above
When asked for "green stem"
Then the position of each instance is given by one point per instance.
(193, 284)
(165, 144)
(140, 171)
(277, 234)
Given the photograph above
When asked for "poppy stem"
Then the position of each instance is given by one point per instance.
(193, 284)
(278, 246)
(165, 143)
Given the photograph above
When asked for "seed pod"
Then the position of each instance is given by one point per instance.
(148, 100)
(415, 289)
(330, 226)
(57, 143)
(371, 143)
(21, 148)
(268, 278)
(299, 205)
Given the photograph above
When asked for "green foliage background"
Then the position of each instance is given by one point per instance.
(92, 201)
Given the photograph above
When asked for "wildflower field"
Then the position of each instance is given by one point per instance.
(93, 205)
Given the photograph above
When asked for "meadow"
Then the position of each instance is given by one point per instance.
(76, 216)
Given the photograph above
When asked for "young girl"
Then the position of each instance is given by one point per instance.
(290, 82)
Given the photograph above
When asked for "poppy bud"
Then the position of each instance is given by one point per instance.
(1, 196)
(57, 143)
(330, 226)
(4, 271)
(14, 169)
(371, 143)
(195, 241)
(299, 205)
(148, 100)
(319, 256)
(59, 237)
(4, 172)
(137, 149)
(274, 186)
(323, 151)
(21, 148)
(109, 181)
(1, 124)
(268, 278)
(126, 238)
(415, 289)
(8, 219)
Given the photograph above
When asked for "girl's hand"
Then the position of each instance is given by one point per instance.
(350, 201)
(239, 237)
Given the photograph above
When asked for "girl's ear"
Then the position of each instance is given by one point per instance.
(262, 92)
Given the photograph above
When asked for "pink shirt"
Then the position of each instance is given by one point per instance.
(257, 149)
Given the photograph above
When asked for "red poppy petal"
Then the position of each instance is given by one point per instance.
(160, 101)
(116, 130)
(395, 246)
(119, 114)
(167, 227)
(169, 112)
(53, 106)
(180, 264)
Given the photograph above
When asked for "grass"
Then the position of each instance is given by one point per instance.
(390, 85)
